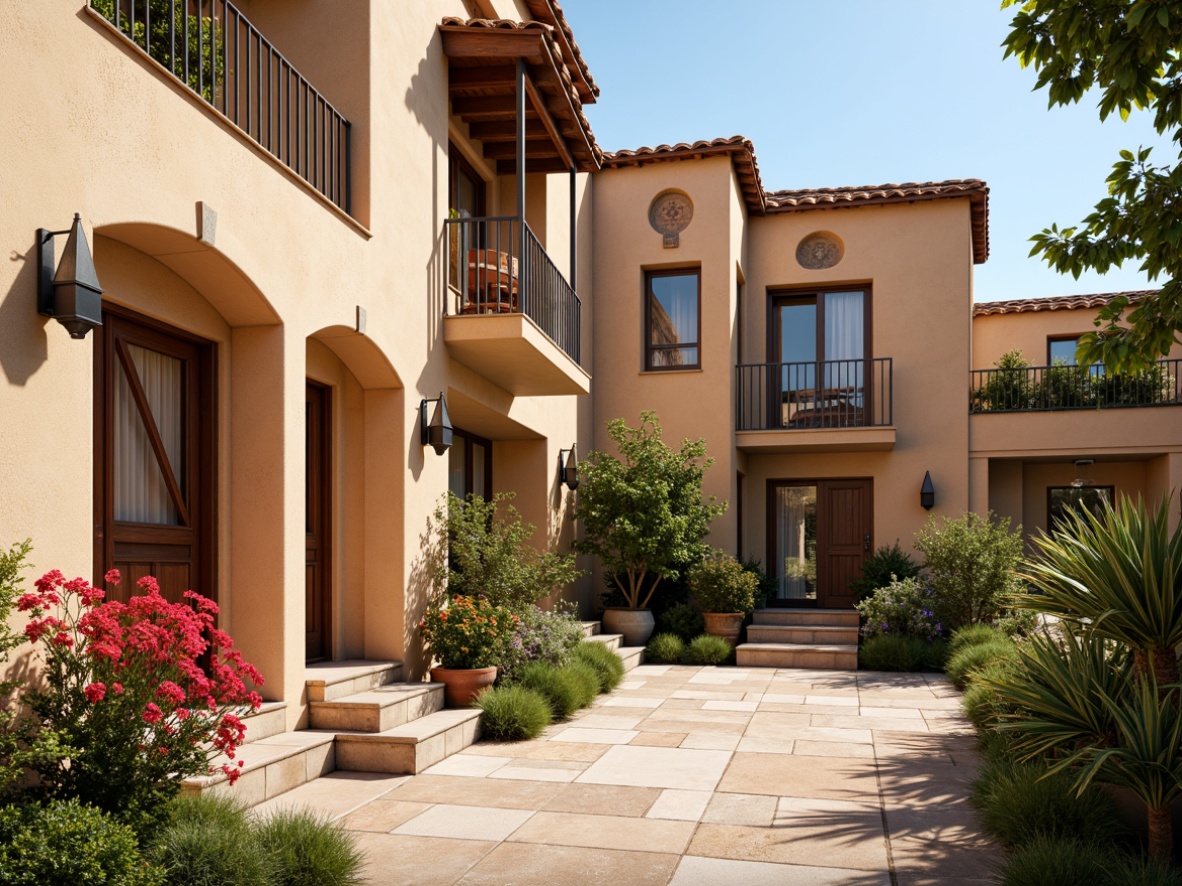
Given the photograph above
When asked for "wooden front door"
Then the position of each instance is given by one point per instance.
(155, 439)
(317, 585)
(819, 534)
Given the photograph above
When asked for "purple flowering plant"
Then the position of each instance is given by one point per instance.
(904, 608)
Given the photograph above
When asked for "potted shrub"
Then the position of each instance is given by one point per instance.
(468, 637)
(725, 592)
(643, 515)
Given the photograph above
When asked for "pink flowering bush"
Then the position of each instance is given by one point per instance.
(138, 694)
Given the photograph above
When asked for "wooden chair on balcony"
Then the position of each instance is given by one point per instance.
(492, 283)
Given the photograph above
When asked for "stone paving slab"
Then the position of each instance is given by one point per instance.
(690, 776)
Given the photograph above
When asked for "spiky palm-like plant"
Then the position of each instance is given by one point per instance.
(1117, 576)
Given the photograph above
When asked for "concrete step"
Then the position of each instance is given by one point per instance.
(268, 720)
(837, 657)
(632, 656)
(812, 634)
(832, 617)
(331, 680)
(411, 747)
(591, 628)
(377, 710)
(270, 767)
(611, 641)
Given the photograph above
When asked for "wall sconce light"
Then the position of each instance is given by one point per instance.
(568, 469)
(71, 295)
(927, 492)
(436, 434)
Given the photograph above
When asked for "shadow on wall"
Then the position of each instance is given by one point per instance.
(24, 339)
(421, 588)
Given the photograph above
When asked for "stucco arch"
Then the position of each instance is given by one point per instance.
(360, 355)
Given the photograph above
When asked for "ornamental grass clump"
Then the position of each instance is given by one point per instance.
(307, 850)
(1047, 861)
(893, 652)
(970, 659)
(137, 695)
(586, 680)
(558, 686)
(468, 632)
(972, 635)
(707, 650)
(608, 666)
(664, 649)
(512, 713)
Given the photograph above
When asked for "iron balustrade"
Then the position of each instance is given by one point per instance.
(1053, 388)
(810, 395)
(212, 48)
(497, 266)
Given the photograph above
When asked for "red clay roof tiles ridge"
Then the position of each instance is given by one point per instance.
(1055, 302)
(550, 12)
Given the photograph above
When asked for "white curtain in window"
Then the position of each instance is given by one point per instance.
(796, 571)
(674, 319)
(141, 495)
(844, 339)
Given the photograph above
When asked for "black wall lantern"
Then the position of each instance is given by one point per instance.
(71, 295)
(437, 434)
(568, 469)
(927, 492)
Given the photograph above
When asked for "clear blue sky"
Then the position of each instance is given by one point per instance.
(862, 92)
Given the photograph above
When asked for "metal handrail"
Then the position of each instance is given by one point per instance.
(814, 394)
(214, 50)
(1065, 386)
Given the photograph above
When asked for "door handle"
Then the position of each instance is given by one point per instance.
(866, 542)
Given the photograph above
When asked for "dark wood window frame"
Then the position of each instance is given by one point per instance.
(1061, 337)
(457, 162)
(777, 297)
(649, 347)
(1052, 489)
(318, 491)
(469, 463)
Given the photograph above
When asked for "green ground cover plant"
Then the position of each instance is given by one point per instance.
(665, 649)
(894, 652)
(608, 667)
(707, 650)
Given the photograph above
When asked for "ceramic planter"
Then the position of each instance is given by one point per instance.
(635, 624)
(724, 624)
(462, 685)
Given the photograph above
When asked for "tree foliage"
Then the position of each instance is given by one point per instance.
(1129, 51)
(642, 513)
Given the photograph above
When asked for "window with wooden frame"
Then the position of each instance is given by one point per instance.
(1062, 500)
(469, 465)
(672, 319)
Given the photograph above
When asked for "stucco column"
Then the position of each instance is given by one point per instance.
(979, 485)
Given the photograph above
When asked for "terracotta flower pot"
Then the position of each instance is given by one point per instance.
(724, 624)
(462, 685)
(635, 624)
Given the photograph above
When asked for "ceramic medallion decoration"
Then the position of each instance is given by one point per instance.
(670, 214)
(819, 251)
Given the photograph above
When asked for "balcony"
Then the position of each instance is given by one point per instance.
(1057, 388)
(212, 48)
(828, 406)
(509, 313)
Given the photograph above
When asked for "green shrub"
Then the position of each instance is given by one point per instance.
(664, 649)
(883, 567)
(69, 843)
(1142, 871)
(682, 620)
(585, 678)
(543, 636)
(607, 665)
(903, 608)
(767, 585)
(970, 566)
(1046, 862)
(557, 685)
(1009, 388)
(972, 635)
(309, 851)
(935, 655)
(891, 652)
(1020, 802)
(707, 650)
(209, 810)
(513, 713)
(720, 584)
(981, 703)
(973, 658)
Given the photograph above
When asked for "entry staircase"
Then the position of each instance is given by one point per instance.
(362, 718)
(821, 639)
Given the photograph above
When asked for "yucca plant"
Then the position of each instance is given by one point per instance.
(1116, 576)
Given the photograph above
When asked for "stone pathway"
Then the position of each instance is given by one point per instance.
(692, 777)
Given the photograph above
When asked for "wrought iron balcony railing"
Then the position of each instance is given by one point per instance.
(1051, 388)
(497, 266)
(213, 49)
(827, 394)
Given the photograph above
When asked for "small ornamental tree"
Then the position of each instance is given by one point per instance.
(140, 694)
(642, 513)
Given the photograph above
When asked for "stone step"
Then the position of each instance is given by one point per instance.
(331, 680)
(268, 720)
(824, 634)
(611, 641)
(411, 747)
(837, 657)
(832, 617)
(632, 656)
(377, 710)
(591, 628)
(270, 767)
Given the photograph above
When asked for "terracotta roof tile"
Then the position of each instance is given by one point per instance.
(740, 149)
(868, 195)
(550, 12)
(1055, 303)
